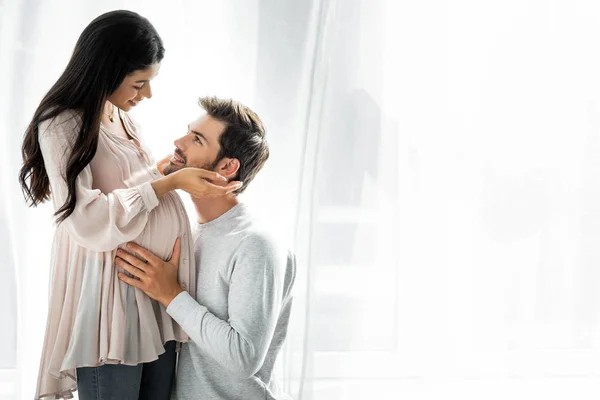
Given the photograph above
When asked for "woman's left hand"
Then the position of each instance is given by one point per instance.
(162, 164)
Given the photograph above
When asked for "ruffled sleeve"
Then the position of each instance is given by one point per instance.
(100, 222)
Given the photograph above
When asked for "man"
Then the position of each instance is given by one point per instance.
(239, 318)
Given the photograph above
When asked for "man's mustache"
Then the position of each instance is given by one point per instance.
(180, 154)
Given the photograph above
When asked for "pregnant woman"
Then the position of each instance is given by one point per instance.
(103, 337)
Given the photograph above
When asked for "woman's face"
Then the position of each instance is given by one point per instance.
(134, 88)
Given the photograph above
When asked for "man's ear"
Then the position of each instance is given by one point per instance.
(228, 167)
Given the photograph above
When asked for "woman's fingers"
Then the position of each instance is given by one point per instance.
(200, 182)
(210, 189)
(233, 186)
(161, 165)
(212, 175)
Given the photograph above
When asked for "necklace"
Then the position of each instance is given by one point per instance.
(111, 116)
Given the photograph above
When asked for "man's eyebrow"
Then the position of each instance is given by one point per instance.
(143, 80)
(198, 134)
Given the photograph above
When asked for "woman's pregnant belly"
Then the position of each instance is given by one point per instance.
(166, 223)
(146, 325)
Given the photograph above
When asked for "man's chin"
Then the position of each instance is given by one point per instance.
(169, 169)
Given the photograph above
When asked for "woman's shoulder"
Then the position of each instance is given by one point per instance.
(64, 122)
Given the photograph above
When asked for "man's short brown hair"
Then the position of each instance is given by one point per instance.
(243, 137)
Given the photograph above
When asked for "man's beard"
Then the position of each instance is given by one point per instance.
(171, 168)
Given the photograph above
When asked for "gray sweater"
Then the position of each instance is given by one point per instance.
(239, 320)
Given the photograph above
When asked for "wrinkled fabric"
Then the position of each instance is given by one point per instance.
(93, 317)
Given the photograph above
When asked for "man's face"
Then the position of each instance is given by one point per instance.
(199, 147)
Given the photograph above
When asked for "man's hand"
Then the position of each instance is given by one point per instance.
(155, 277)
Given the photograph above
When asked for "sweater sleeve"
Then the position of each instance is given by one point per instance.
(239, 344)
(100, 222)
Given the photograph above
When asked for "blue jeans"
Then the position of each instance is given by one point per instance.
(148, 381)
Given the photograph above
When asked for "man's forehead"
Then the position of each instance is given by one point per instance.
(207, 125)
(199, 118)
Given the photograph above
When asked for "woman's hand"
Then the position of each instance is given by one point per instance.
(199, 182)
(196, 182)
(162, 164)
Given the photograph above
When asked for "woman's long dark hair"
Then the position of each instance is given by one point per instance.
(111, 47)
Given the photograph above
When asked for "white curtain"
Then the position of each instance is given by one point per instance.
(435, 165)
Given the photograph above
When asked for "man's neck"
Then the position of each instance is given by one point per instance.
(208, 209)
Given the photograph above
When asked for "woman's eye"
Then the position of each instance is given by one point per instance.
(138, 87)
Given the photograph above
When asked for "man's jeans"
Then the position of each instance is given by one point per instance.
(149, 381)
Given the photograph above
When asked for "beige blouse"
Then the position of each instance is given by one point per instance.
(93, 317)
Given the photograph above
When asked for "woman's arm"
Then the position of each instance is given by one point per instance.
(102, 222)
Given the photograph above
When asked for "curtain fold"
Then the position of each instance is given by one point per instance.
(434, 166)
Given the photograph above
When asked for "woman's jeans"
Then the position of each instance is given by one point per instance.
(149, 381)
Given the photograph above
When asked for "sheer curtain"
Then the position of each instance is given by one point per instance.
(435, 167)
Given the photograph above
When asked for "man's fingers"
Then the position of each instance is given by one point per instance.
(176, 253)
(130, 281)
(137, 272)
(145, 253)
(131, 259)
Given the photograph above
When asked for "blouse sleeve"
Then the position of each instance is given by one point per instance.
(100, 222)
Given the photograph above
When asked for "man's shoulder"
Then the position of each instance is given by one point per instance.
(258, 238)
(259, 246)
(262, 252)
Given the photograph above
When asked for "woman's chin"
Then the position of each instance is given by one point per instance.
(126, 106)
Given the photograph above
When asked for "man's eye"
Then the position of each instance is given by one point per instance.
(197, 140)
(138, 87)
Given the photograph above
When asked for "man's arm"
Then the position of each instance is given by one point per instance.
(239, 344)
